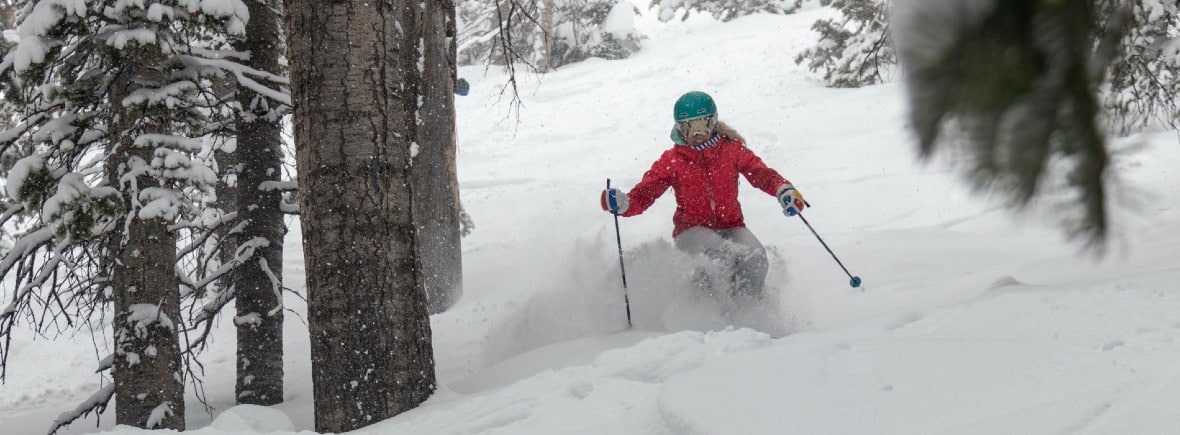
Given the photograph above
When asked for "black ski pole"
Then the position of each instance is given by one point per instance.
(854, 280)
(622, 269)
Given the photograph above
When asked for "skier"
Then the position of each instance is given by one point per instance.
(702, 169)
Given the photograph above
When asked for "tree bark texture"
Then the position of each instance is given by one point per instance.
(355, 85)
(436, 185)
(258, 283)
(149, 386)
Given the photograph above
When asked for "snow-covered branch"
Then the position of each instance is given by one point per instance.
(244, 253)
(213, 307)
(25, 246)
(276, 286)
(282, 186)
(290, 203)
(97, 403)
(106, 363)
(243, 73)
(11, 134)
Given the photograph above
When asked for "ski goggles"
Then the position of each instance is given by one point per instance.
(693, 127)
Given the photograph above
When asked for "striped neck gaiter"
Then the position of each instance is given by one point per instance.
(707, 144)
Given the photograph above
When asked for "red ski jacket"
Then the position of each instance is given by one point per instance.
(705, 183)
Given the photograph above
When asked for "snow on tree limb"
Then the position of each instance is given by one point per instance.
(162, 411)
(214, 306)
(290, 203)
(244, 253)
(106, 363)
(243, 73)
(96, 403)
(141, 316)
(275, 284)
(13, 133)
(282, 186)
(24, 246)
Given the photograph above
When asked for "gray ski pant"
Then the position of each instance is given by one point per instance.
(736, 247)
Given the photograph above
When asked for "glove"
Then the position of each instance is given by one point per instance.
(615, 201)
(461, 87)
(791, 200)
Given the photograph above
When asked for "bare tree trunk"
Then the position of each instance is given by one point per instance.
(149, 387)
(547, 9)
(355, 83)
(436, 186)
(258, 283)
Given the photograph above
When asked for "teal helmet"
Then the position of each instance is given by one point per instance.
(693, 105)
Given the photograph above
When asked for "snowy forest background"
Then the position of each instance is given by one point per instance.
(217, 120)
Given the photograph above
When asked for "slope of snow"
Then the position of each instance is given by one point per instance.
(973, 318)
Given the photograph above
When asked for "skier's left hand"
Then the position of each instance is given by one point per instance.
(791, 200)
(615, 201)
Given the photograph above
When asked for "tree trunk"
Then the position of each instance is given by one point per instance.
(258, 283)
(436, 186)
(149, 387)
(546, 60)
(355, 85)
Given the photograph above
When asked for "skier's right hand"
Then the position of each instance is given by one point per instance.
(615, 201)
(791, 200)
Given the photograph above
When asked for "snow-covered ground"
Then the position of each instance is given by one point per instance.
(973, 319)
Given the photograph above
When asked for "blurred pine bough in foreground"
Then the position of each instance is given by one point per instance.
(1027, 90)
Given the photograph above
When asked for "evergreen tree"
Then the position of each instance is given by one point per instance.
(434, 173)
(590, 28)
(723, 10)
(110, 167)
(1144, 78)
(360, 82)
(853, 51)
(147, 372)
(258, 158)
(548, 33)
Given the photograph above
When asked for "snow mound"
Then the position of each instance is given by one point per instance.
(601, 397)
(252, 419)
(1042, 359)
